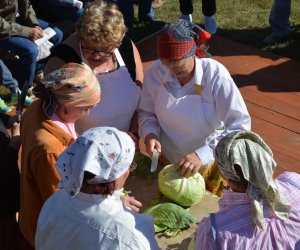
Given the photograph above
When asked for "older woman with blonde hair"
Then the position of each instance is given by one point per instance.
(100, 42)
(47, 128)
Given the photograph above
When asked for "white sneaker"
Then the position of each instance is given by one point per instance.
(210, 24)
(187, 17)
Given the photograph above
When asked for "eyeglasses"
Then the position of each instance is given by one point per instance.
(133, 166)
(97, 52)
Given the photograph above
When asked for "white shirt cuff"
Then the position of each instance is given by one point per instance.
(206, 155)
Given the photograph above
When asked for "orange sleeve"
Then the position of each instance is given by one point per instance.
(46, 175)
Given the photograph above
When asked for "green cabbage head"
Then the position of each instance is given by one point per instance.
(184, 191)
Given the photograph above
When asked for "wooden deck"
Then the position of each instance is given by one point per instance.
(270, 86)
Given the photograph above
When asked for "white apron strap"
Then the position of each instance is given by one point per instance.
(119, 57)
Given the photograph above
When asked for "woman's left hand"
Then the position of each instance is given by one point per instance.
(189, 164)
(131, 202)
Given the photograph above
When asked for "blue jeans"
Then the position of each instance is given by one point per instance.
(58, 13)
(6, 78)
(279, 17)
(126, 7)
(26, 49)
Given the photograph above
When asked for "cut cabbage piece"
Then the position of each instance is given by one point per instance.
(170, 218)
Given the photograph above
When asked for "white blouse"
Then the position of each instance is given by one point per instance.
(92, 222)
(221, 105)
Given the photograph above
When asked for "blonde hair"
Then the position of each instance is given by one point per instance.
(101, 22)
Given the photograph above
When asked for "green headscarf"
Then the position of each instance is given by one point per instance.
(255, 158)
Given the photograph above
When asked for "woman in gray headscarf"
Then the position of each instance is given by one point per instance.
(93, 170)
(258, 212)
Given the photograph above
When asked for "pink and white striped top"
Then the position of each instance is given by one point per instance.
(235, 227)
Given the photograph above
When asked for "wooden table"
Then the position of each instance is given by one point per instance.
(146, 189)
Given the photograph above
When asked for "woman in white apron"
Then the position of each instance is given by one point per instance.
(188, 104)
(119, 101)
(100, 42)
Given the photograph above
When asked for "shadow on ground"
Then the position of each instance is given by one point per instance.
(289, 48)
(280, 78)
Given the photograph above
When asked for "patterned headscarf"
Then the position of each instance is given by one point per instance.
(180, 40)
(104, 151)
(255, 158)
(73, 85)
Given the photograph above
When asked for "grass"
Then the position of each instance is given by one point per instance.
(244, 21)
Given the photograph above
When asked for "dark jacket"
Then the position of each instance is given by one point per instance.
(9, 172)
(8, 24)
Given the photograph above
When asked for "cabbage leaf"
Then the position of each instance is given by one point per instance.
(170, 218)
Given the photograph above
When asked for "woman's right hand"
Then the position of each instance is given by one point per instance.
(131, 202)
(152, 143)
(35, 33)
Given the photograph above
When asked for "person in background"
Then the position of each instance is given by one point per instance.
(189, 103)
(47, 128)
(208, 10)
(10, 183)
(258, 212)
(88, 212)
(59, 10)
(9, 82)
(279, 21)
(146, 13)
(100, 42)
(19, 28)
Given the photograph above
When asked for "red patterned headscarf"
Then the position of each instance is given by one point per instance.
(180, 40)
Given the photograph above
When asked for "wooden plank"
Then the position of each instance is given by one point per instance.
(254, 62)
(273, 117)
(267, 78)
(284, 143)
(222, 47)
(278, 170)
(278, 104)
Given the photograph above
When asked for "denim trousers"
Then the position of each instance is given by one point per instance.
(26, 66)
(279, 17)
(208, 7)
(126, 7)
(6, 78)
(58, 13)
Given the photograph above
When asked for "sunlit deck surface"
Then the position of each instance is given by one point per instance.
(270, 86)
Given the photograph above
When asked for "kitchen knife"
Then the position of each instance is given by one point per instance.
(154, 161)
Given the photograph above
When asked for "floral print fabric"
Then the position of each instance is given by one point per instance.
(104, 151)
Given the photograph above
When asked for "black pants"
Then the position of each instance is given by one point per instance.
(208, 7)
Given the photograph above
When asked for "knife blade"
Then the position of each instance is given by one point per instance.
(154, 160)
(21, 100)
